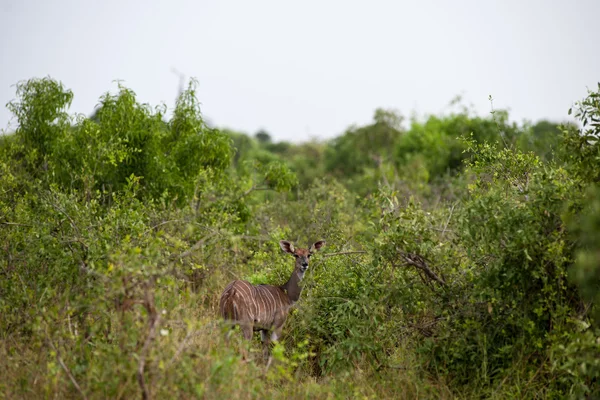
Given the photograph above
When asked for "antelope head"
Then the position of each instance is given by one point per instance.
(302, 255)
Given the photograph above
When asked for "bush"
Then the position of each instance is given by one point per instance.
(461, 259)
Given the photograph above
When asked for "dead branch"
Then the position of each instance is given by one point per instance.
(253, 189)
(249, 237)
(83, 267)
(154, 320)
(420, 263)
(448, 220)
(184, 343)
(189, 251)
(15, 224)
(71, 221)
(65, 368)
(426, 282)
(435, 228)
(343, 253)
(159, 225)
(402, 367)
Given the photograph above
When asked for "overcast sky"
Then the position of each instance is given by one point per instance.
(309, 68)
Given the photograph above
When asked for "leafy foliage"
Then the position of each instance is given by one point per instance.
(461, 260)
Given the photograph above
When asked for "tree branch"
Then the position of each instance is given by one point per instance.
(65, 368)
(343, 253)
(190, 250)
(15, 224)
(154, 321)
(73, 225)
(420, 263)
(159, 225)
(448, 220)
(182, 346)
(252, 189)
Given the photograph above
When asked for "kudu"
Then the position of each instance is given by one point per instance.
(265, 308)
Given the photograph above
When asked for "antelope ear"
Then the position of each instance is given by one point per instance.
(317, 246)
(286, 246)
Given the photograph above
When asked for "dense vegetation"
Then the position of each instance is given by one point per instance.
(462, 258)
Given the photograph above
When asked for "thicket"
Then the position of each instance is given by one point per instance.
(462, 258)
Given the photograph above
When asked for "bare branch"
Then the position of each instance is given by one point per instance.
(332, 298)
(15, 224)
(402, 367)
(252, 189)
(343, 253)
(83, 266)
(65, 368)
(420, 263)
(249, 237)
(443, 230)
(142, 361)
(59, 209)
(159, 225)
(182, 346)
(448, 220)
(154, 321)
(189, 251)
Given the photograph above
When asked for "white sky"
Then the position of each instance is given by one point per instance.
(309, 68)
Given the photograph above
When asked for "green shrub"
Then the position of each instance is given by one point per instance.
(453, 267)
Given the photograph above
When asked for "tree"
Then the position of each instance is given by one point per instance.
(263, 137)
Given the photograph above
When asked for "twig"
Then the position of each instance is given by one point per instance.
(183, 345)
(443, 230)
(332, 297)
(190, 250)
(65, 368)
(493, 112)
(249, 237)
(252, 189)
(15, 224)
(154, 321)
(343, 253)
(83, 266)
(420, 263)
(59, 209)
(159, 225)
(394, 366)
(142, 362)
(448, 220)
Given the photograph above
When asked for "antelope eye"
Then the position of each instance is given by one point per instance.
(308, 256)
(296, 255)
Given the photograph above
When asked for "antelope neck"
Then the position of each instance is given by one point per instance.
(292, 286)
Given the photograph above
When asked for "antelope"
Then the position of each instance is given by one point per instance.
(265, 308)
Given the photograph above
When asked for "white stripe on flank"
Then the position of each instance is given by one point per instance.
(244, 299)
(274, 304)
(252, 296)
(263, 310)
